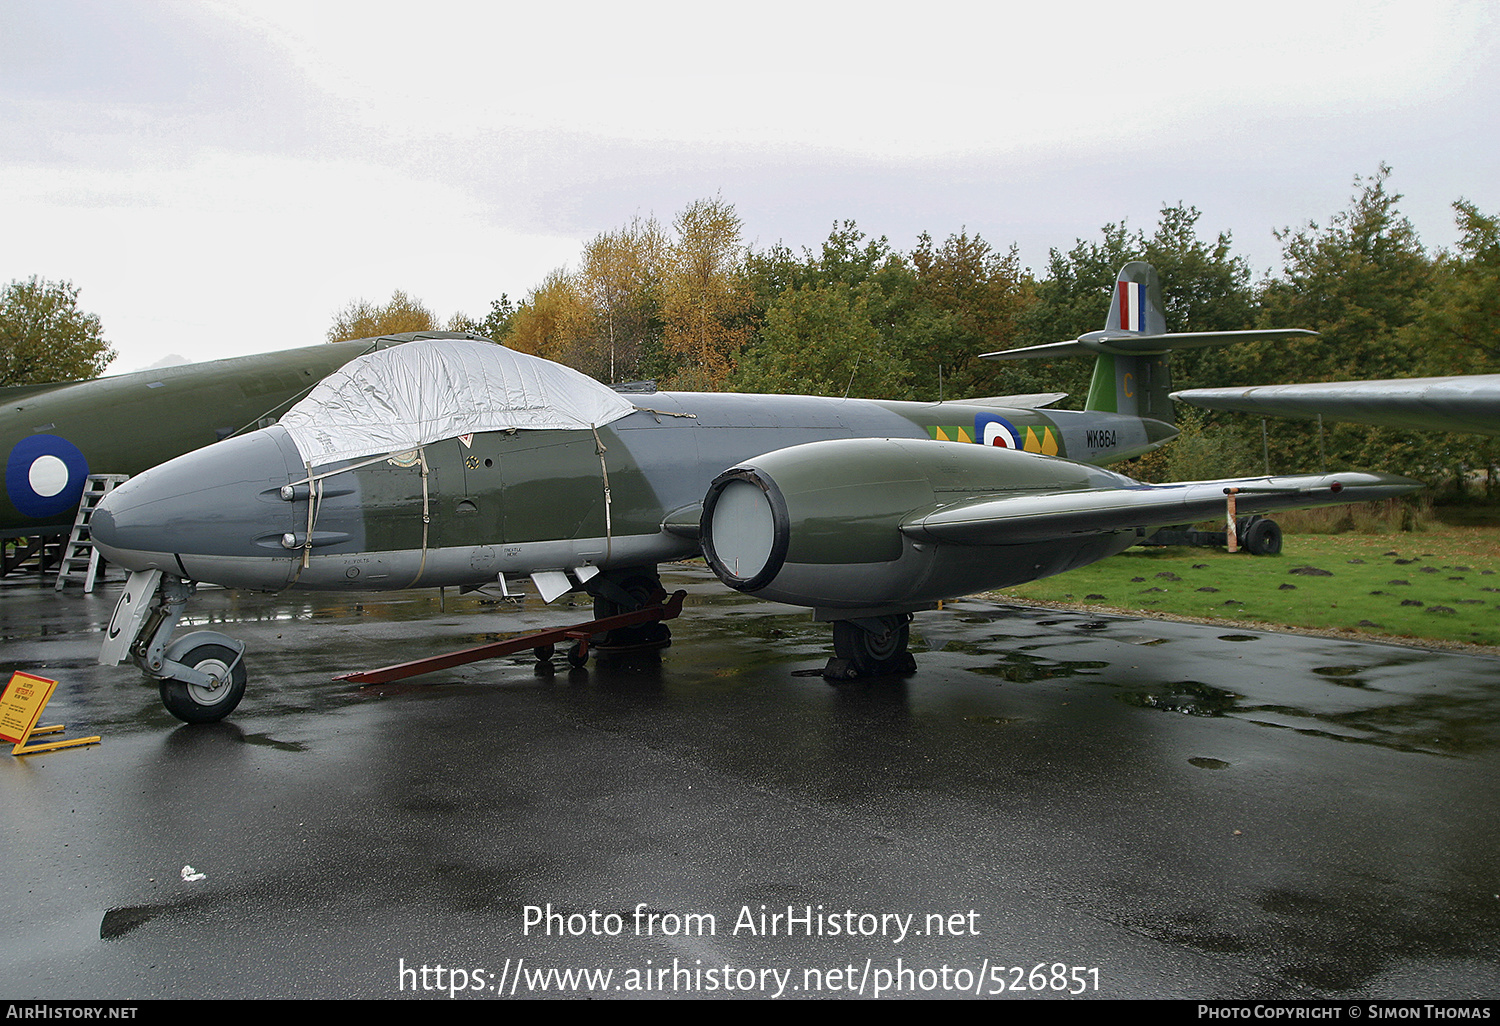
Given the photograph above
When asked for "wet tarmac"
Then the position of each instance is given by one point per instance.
(1053, 803)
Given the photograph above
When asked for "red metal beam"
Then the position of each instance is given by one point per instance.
(578, 632)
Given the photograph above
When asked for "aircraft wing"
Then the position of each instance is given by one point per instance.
(1046, 516)
(1468, 403)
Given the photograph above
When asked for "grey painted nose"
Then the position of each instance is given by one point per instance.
(215, 514)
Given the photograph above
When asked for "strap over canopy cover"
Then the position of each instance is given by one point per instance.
(424, 391)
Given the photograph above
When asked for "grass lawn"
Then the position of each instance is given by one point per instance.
(1442, 583)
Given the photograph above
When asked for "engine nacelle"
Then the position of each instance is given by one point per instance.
(820, 524)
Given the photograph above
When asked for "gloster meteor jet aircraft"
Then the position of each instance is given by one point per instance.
(454, 462)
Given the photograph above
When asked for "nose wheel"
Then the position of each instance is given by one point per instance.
(210, 700)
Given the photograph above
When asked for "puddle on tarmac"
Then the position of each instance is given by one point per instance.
(1345, 676)
(992, 721)
(1189, 697)
(1023, 668)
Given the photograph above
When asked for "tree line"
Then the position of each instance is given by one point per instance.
(692, 306)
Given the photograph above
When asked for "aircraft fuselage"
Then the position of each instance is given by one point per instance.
(464, 510)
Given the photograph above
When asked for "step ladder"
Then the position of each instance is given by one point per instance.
(80, 558)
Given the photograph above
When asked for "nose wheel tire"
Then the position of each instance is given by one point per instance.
(195, 703)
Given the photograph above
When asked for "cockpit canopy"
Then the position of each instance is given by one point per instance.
(424, 391)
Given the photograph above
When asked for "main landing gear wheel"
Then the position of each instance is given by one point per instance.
(634, 590)
(870, 648)
(195, 703)
(626, 592)
(1263, 538)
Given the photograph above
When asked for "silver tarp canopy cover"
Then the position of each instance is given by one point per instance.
(406, 396)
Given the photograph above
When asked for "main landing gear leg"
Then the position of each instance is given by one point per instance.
(870, 647)
(625, 591)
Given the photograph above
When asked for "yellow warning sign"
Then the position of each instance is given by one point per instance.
(21, 707)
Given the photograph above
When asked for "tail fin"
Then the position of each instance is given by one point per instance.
(1136, 306)
(1131, 371)
(1138, 385)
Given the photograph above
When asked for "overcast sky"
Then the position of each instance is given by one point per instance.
(223, 178)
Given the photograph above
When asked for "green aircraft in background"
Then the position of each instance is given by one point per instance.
(1466, 403)
(53, 436)
(454, 463)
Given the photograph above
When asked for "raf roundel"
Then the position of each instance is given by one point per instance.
(45, 475)
(996, 431)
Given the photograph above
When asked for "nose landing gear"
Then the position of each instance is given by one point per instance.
(202, 674)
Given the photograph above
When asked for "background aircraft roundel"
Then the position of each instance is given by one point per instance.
(998, 431)
(45, 475)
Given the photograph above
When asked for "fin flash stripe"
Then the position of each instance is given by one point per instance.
(1132, 305)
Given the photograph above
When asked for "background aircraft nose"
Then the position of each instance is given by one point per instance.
(214, 514)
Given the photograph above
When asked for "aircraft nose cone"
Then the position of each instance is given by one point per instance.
(213, 515)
